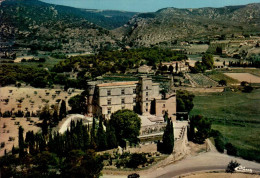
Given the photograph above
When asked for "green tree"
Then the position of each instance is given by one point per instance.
(111, 137)
(168, 138)
(136, 160)
(222, 82)
(44, 161)
(80, 164)
(208, 61)
(127, 126)
(184, 101)
(21, 142)
(200, 128)
(231, 166)
(45, 116)
(199, 67)
(231, 150)
(219, 50)
(55, 117)
(176, 67)
(101, 137)
(63, 111)
(78, 104)
(170, 69)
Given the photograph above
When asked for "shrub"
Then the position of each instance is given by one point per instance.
(231, 166)
(248, 89)
(136, 160)
(219, 140)
(231, 150)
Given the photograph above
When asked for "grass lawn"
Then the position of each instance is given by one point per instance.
(49, 63)
(236, 116)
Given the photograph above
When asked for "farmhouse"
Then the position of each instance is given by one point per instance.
(178, 66)
(141, 96)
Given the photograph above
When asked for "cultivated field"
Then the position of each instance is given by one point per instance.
(236, 116)
(31, 99)
(217, 76)
(244, 77)
(9, 131)
(202, 80)
(25, 99)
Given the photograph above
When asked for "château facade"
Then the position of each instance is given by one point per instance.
(141, 96)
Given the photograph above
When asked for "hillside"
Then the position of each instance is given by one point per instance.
(31, 26)
(42, 26)
(170, 24)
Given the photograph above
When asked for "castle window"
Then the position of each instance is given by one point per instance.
(146, 104)
(163, 105)
(123, 107)
(134, 91)
(122, 91)
(108, 110)
(146, 110)
(108, 92)
(146, 99)
(134, 100)
(109, 101)
(146, 93)
(146, 87)
(123, 101)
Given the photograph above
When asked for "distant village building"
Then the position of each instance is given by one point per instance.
(141, 96)
(178, 66)
(219, 65)
(145, 69)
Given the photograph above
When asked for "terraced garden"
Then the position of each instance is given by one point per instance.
(202, 80)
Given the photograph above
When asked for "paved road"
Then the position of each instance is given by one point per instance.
(212, 160)
(202, 162)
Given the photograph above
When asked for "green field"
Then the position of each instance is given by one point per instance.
(49, 63)
(236, 116)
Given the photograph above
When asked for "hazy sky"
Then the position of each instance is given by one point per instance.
(147, 5)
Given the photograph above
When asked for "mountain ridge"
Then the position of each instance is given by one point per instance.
(45, 27)
(171, 24)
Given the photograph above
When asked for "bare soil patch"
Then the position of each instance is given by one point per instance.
(244, 77)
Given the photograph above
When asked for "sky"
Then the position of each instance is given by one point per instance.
(147, 5)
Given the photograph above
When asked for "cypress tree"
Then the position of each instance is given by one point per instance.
(86, 140)
(93, 136)
(55, 117)
(93, 130)
(168, 138)
(63, 111)
(13, 150)
(111, 137)
(21, 142)
(101, 137)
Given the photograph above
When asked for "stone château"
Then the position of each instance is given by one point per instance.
(141, 96)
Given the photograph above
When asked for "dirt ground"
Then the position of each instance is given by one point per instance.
(9, 128)
(25, 98)
(31, 98)
(222, 175)
(244, 77)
